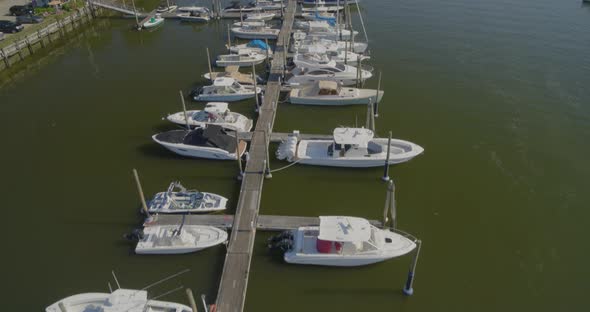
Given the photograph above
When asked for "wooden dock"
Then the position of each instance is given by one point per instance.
(234, 279)
(263, 222)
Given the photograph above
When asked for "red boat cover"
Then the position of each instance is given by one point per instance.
(324, 246)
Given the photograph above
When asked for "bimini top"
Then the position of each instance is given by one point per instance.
(344, 229)
(216, 107)
(353, 136)
(223, 81)
(212, 136)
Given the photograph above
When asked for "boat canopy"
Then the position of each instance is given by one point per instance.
(216, 107)
(257, 44)
(344, 229)
(354, 136)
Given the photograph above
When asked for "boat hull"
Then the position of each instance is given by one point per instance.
(201, 151)
(332, 260)
(223, 98)
(213, 236)
(318, 156)
(336, 100)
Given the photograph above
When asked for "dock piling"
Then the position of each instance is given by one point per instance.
(209, 64)
(392, 205)
(191, 299)
(204, 303)
(141, 196)
(228, 37)
(377, 96)
(267, 173)
(385, 176)
(188, 127)
(408, 288)
(239, 158)
(136, 17)
(255, 88)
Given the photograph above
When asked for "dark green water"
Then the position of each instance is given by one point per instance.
(496, 91)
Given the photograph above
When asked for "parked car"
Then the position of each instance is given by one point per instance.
(10, 27)
(29, 19)
(18, 10)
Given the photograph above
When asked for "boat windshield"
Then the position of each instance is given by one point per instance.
(340, 67)
(236, 85)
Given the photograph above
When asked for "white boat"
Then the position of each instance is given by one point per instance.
(225, 89)
(246, 58)
(242, 78)
(323, 8)
(248, 23)
(343, 241)
(350, 147)
(265, 16)
(257, 46)
(326, 33)
(302, 41)
(320, 55)
(315, 16)
(193, 9)
(177, 199)
(211, 142)
(177, 239)
(236, 7)
(255, 32)
(120, 300)
(194, 16)
(215, 113)
(309, 72)
(266, 5)
(153, 22)
(166, 8)
(330, 93)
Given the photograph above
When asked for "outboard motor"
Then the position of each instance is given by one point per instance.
(283, 241)
(135, 235)
(288, 148)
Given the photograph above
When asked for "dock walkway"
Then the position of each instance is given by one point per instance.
(231, 295)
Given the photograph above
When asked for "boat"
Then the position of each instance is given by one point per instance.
(309, 72)
(176, 239)
(193, 9)
(342, 241)
(319, 54)
(211, 142)
(316, 16)
(255, 32)
(316, 2)
(120, 300)
(153, 22)
(330, 93)
(323, 8)
(257, 46)
(302, 41)
(236, 7)
(215, 113)
(166, 7)
(225, 89)
(246, 58)
(267, 5)
(248, 23)
(242, 78)
(264, 16)
(322, 29)
(350, 147)
(177, 199)
(194, 16)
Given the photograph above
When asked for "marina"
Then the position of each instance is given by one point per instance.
(474, 91)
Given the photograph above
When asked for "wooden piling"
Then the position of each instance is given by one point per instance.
(255, 87)
(140, 191)
(41, 38)
(408, 288)
(392, 204)
(385, 176)
(267, 173)
(191, 299)
(377, 96)
(209, 64)
(5, 58)
(188, 127)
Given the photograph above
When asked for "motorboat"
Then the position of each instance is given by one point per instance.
(225, 89)
(330, 93)
(249, 23)
(154, 21)
(302, 41)
(246, 58)
(267, 5)
(166, 8)
(255, 32)
(176, 239)
(321, 29)
(350, 147)
(120, 300)
(211, 142)
(264, 16)
(242, 78)
(215, 113)
(257, 46)
(236, 7)
(323, 8)
(193, 9)
(320, 55)
(321, 2)
(194, 16)
(177, 199)
(342, 241)
(309, 72)
(316, 16)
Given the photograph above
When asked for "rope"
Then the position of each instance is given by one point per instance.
(362, 22)
(287, 166)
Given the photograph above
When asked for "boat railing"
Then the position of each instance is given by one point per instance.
(404, 234)
(367, 68)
